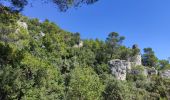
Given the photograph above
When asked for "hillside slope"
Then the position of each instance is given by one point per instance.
(40, 61)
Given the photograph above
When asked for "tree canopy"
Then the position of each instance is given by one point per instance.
(39, 61)
(149, 58)
(63, 5)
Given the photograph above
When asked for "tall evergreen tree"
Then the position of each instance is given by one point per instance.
(149, 58)
(113, 42)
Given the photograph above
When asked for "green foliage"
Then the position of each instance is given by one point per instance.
(113, 42)
(164, 64)
(8, 16)
(31, 78)
(149, 58)
(76, 39)
(166, 68)
(41, 62)
(46, 79)
(116, 90)
(124, 53)
(84, 84)
(63, 5)
(135, 50)
(123, 90)
(137, 73)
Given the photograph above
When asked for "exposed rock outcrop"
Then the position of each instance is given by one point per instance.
(136, 60)
(152, 71)
(22, 24)
(79, 45)
(136, 72)
(119, 68)
(133, 66)
(42, 34)
(165, 74)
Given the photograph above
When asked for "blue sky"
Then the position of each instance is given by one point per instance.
(142, 22)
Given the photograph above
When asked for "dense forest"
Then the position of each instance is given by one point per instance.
(40, 61)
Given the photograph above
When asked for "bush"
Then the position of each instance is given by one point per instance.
(136, 73)
(84, 85)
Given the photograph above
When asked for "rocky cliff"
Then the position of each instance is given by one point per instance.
(165, 74)
(120, 68)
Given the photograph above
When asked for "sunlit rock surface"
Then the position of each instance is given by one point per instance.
(165, 74)
(79, 45)
(118, 68)
(22, 24)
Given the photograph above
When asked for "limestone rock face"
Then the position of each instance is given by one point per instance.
(42, 34)
(135, 72)
(133, 65)
(79, 45)
(119, 68)
(165, 74)
(137, 59)
(22, 24)
(145, 72)
(152, 71)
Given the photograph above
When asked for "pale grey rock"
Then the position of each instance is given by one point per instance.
(145, 72)
(129, 64)
(22, 24)
(137, 59)
(42, 34)
(165, 74)
(135, 72)
(43, 46)
(152, 71)
(79, 45)
(119, 68)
